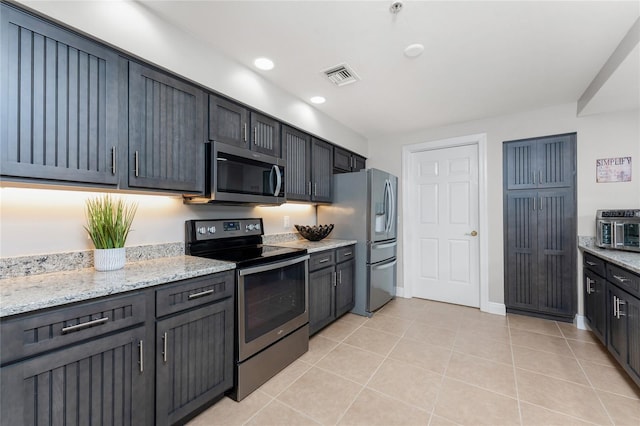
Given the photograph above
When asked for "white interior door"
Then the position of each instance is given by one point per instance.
(444, 248)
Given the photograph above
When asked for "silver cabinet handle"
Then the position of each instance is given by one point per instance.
(255, 135)
(615, 306)
(309, 188)
(540, 203)
(588, 286)
(534, 203)
(620, 302)
(136, 163)
(349, 253)
(540, 176)
(533, 176)
(325, 260)
(201, 294)
(315, 189)
(590, 263)
(141, 356)
(165, 337)
(84, 325)
(113, 160)
(244, 132)
(621, 278)
(335, 279)
(340, 276)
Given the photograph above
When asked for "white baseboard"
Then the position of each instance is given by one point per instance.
(400, 293)
(495, 308)
(581, 322)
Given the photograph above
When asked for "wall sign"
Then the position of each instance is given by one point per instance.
(617, 169)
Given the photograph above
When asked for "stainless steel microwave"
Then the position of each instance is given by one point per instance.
(240, 176)
(618, 229)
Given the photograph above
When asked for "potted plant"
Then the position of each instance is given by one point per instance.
(108, 224)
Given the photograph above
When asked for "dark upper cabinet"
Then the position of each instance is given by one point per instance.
(234, 124)
(345, 161)
(297, 152)
(166, 126)
(59, 103)
(321, 171)
(541, 163)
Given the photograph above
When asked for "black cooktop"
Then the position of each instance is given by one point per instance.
(238, 241)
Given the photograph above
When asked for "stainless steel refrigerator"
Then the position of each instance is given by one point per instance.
(365, 209)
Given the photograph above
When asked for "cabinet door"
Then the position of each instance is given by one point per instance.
(194, 360)
(341, 160)
(632, 313)
(298, 173)
(520, 167)
(321, 170)
(556, 161)
(101, 382)
(59, 103)
(344, 288)
(617, 331)
(228, 122)
(595, 305)
(520, 244)
(321, 298)
(166, 142)
(359, 163)
(556, 252)
(265, 135)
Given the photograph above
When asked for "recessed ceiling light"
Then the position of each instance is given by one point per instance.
(413, 50)
(265, 64)
(318, 100)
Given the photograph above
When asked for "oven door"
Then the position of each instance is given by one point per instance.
(272, 302)
(627, 235)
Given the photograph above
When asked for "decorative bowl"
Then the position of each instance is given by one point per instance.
(314, 233)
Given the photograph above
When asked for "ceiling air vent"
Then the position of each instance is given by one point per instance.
(341, 74)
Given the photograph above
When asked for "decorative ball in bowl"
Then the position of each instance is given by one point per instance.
(314, 233)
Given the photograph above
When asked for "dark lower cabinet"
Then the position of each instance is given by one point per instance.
(624, 329)
(331, 281)
(594, 304)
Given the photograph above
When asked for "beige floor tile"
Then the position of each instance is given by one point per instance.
(451, 309)
(389, 324)
(398, 309)
(570, 331)
(423, 355)
(485, 348)
(484, 331)
(319, 346)
(372, 340)
(373, 408)
(559, 395)
(541, 342)
(231, 413)
(480, 406)
(448, 320)
(286, 377)
(624, 411)
(537, 325)
(533, 415)
(350, 318)
(494, 376)
(321, 395)
(594, 352)
(352, 363)
(559, 366)
(339, 330)
(440, 421)
(610, 379)
(413, 385)
(277, 413)
(434, 335)
(477, 317)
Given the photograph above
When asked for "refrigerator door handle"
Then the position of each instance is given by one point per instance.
(385, 265)
(392, 205)
(387, 203)
(384, 245)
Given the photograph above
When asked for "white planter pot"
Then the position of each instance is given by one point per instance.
(109, 259)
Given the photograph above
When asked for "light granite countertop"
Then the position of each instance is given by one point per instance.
(626, 259)
(29, 293)
(316, 246)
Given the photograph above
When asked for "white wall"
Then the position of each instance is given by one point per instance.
(598, 136)
(133, 28)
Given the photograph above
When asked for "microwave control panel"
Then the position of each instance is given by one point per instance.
(619, 213)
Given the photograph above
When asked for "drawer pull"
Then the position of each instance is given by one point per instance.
(84, 325)
(621, 279)
(590, 263)
(201, 294)
(325, 260)
(164, 346)
(348, 253)
(141, 356)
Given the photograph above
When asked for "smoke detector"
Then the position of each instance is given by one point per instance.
(341, 75)
(395, 7)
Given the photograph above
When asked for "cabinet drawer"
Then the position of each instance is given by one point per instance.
(624, 279)
(322, 259)
(194, 292)
(43, 332)
(594, 263)
(345, 253)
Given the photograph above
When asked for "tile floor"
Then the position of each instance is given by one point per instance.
(418, 362)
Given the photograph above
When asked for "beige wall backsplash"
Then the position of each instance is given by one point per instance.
(43, 221)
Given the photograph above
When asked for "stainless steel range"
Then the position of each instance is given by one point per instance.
(272, 315)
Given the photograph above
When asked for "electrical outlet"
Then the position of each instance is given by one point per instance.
(287, 222)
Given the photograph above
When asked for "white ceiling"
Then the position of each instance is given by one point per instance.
(481, 59)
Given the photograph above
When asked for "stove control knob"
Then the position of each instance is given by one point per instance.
(251, 227)
(211, 229)
(202, 230)
(257, 226)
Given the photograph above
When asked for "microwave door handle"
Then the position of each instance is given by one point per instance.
(276, 169)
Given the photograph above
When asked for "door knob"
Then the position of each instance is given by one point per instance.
(472, 233)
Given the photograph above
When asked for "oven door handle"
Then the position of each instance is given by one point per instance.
(272, 266)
